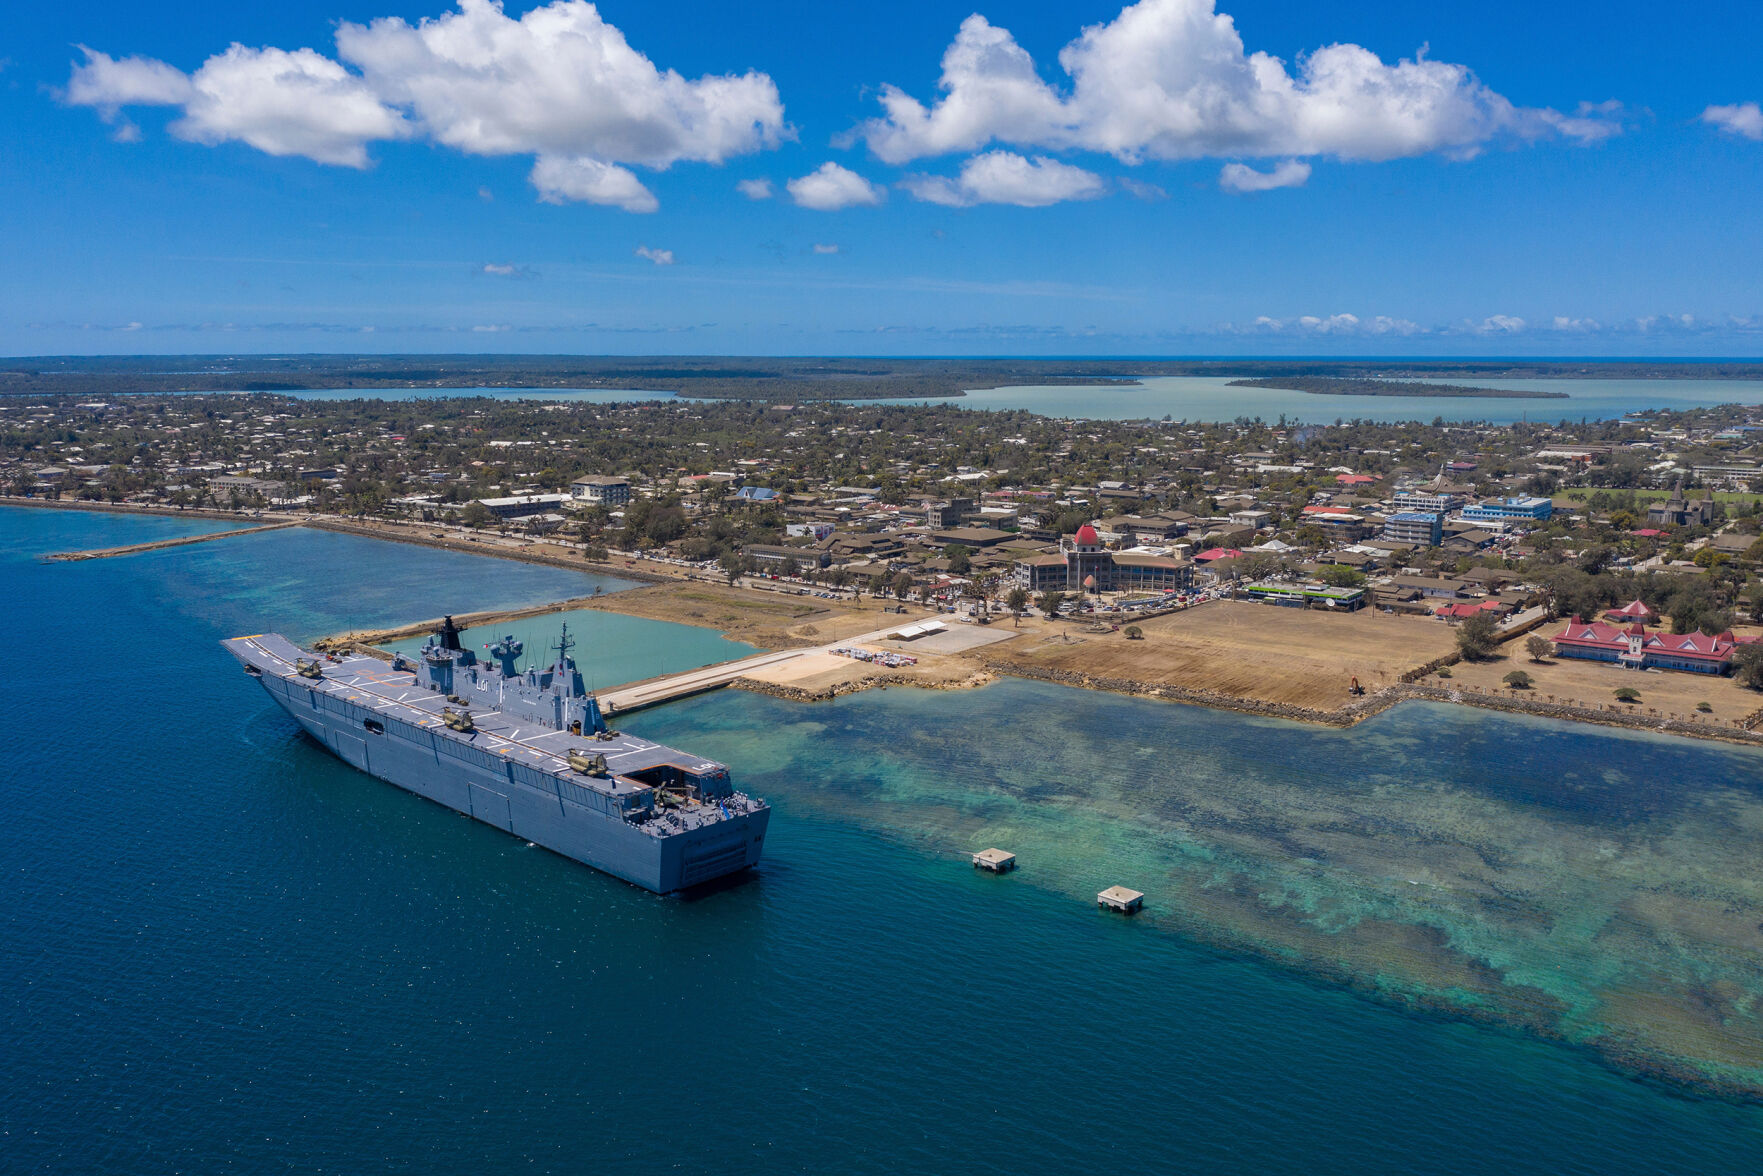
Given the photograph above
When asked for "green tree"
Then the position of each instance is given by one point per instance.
(1627, 694)
(1017, 601)
(1133, 633)
(902, 585)
(1538, 647)
(1517, 680)
(1049, 603)
(1477, 637)
(476, 515)
(1747, 665)
(960, 559)
(1341, 576)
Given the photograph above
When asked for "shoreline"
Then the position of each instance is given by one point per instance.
(987, 667)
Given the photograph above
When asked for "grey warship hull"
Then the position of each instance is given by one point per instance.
(653, 816)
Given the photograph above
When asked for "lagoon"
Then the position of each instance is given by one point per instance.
(1212, 399)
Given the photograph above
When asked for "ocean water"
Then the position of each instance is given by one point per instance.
(222, 950)
(1211, 398)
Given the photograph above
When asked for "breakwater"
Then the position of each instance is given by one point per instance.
(159, 544)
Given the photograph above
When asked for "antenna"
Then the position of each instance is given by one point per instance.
(565, 643)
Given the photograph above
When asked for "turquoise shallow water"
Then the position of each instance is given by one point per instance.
(222, 950)
(611, 649)
(1211, 398)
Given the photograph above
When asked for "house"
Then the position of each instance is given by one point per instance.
(759, 495)
(603, 491)
(1633, 611)
(1463, 610)
(1434, 586)
(1636, 648)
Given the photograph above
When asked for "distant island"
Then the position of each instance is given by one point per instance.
(800, 379)
(1365, 386)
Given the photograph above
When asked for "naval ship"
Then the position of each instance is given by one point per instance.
(526, 751)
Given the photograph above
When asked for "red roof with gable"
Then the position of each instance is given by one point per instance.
(1598, 635)
(1460, 612)
(1635, 609)
(1212, 553)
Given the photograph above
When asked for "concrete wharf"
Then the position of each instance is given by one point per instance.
(666, 689)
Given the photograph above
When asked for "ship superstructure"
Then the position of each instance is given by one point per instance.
(527, 751)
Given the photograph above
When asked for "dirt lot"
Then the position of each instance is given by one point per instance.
(1285, 655)
(770, 620)
(1587, 683)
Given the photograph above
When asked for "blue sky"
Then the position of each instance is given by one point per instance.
(922, 178)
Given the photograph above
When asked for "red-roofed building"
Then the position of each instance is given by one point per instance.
(1083, 563)
(1354, 479)
(1634, 610)
(1649, 533)
(1462, 612)
(1636, 648)
(1212, 553)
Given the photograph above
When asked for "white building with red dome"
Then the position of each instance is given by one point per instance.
(1083, 564)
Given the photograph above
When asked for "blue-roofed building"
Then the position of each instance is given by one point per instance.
(1501, 512)
(1422, 528)
(756, 494)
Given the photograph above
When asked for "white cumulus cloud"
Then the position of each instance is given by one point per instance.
(559, 83)
(833, 187)
(658, 256)
(1171, 79)
(826, 249)
(1240, 177)
(759, 189)
(1744, 119)
(1003, 177)
(591, 181)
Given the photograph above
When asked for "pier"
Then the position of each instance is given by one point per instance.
(666, 689)
(185, 541)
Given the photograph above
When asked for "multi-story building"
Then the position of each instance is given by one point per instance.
(604, 491)
(1502, 512)
(1438, 502)
(524, 505)
(1083, 564)
(1422, 528)
(941, 516)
